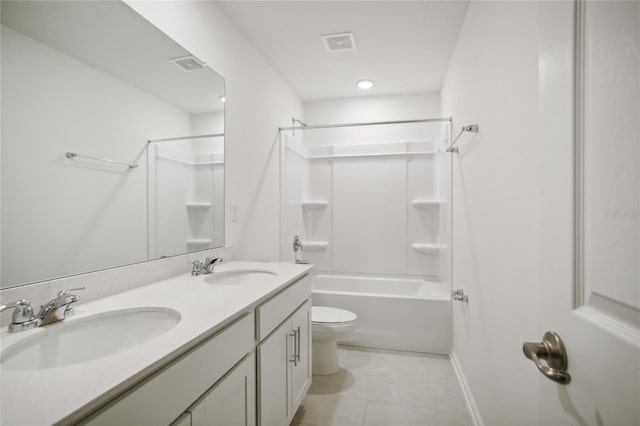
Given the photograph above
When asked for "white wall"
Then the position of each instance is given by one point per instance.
(79, 215)
(492, 80)
(369, 109)
(257, 102)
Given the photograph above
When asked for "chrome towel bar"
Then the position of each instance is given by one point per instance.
(74, 155)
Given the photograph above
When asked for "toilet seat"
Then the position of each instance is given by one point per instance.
(326, 316)
(328, 325)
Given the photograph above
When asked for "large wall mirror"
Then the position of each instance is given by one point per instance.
(84, 82)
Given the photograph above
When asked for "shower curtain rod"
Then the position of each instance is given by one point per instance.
(212, 135)
(374, 123)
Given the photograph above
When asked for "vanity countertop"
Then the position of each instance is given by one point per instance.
(66, 394)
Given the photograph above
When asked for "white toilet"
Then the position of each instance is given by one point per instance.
(328, 326)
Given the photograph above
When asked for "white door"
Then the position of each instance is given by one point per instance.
(591, 209)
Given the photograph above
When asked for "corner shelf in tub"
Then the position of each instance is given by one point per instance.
(314, 245)
(425, 204)
(314, 204)
(198, 206)
(197, 242)
(428, 248)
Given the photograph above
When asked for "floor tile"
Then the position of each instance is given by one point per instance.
(379, 387)
(443, 396)
(385, 414)
(385, 387)
(330, 410)
(433, 368)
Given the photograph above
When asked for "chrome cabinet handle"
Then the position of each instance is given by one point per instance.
(295, 345)
(553, 352)
(298, 344)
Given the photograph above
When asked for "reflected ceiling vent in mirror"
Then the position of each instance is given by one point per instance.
(189, 63)
(339, 42)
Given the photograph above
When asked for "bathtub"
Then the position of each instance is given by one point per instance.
(393, 313)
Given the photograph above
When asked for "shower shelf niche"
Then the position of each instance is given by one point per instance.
(197, 242)
(425, 204)
(314, 245)
(427, 248)
(315, 204)
(198, 206)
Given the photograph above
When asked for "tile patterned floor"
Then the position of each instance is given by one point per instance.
(386, 388)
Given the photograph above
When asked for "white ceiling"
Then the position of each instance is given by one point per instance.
(404, 46)
(113, 38)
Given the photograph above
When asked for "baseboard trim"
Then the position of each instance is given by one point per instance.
(468, 396)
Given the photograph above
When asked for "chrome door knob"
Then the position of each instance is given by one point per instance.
(550, 356)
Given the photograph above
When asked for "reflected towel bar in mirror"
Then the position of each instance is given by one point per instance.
(74, 155)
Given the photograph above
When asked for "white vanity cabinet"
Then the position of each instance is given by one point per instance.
(164, 397)
(284, 354)
(255, 370)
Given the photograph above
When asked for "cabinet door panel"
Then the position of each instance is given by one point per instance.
(301, 373)
(231, 402)
(274, 355)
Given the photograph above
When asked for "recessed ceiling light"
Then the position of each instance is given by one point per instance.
(365, 84)
(223, 99)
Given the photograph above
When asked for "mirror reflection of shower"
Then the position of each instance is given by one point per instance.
(186, 194)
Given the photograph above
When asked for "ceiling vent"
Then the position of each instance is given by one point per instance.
(339, 42)
(189, 63)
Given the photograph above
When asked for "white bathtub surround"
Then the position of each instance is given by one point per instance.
(204, 309)
(401, 180)
(382, 387)
(329, 326)
(394, 313)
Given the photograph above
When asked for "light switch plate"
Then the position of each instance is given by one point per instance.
(234, 211)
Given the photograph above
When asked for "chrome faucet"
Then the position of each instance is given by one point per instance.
(59, 308)
(210, 263)
(23, 317)
(53, 311)
(297, 246)
(206, 267)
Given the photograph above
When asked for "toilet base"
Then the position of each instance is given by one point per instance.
(325, 357)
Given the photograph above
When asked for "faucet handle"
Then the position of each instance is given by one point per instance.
(67, 292)
(196, 267)
(23, 316)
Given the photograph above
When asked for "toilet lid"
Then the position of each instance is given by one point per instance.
(325, 314)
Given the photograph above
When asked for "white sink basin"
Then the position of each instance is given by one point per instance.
(88, 338)
(240, 276)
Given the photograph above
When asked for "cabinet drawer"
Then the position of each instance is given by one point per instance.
(271, 313)
(166, 395)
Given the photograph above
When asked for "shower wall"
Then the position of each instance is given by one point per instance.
(372, 199)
